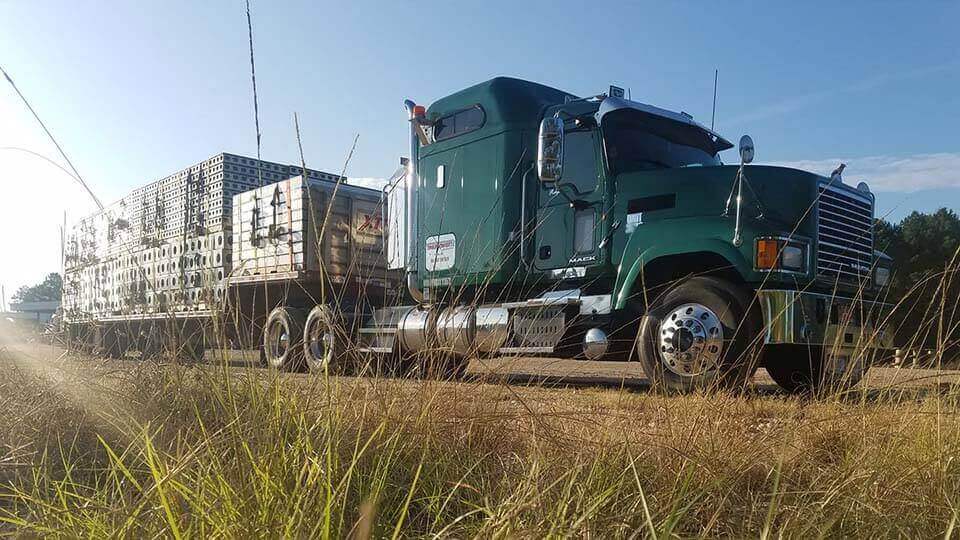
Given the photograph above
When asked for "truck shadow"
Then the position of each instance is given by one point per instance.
(637, 385)
(560, 374)
(872, 396)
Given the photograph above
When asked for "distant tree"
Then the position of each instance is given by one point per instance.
(49, 289)
(922, 245)
(926, 278)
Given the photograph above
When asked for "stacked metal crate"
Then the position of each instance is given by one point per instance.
(165, 247)
(298, 229)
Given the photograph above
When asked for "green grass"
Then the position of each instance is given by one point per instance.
(94, 450)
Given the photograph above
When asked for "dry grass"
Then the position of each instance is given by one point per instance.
(144, 450)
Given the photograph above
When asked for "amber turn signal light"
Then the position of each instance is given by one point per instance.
(768, 251)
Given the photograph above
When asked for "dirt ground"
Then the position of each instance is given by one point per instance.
(27, 351)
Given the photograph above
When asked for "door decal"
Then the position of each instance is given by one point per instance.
(441, 252)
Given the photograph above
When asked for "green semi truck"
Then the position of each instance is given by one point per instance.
(526, 221)
(534, 222)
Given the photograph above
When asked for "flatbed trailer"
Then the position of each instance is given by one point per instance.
(173, 268)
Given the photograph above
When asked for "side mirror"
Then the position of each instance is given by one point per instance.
(550, 150)
(746, 149)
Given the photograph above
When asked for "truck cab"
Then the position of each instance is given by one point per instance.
(539, 222)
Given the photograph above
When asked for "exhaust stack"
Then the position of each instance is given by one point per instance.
(416, 115)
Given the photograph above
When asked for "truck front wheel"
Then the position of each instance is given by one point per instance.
(283, 338)
(700, 334)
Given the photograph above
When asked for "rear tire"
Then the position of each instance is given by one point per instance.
(193, 346)
(700, 334)
(325, 342)
(283, 338)
(150, 342)
(115, 343)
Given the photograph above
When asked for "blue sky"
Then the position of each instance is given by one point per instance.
(135, 90)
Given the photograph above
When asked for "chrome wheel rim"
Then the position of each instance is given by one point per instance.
(690, 340)
(278, 342)
(322, 343)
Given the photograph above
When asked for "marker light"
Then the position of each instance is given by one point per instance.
(767, 253)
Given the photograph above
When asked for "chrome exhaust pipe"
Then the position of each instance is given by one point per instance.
(410, 201)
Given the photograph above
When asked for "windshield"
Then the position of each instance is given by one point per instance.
(638, 142)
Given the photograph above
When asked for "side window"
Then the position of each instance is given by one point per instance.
(443, 128)
(458, 123)
(469, 119)
(579, 161)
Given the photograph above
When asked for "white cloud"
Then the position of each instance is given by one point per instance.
(368, 181)
(904, 174)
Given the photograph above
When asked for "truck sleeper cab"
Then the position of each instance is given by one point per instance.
(537, 222)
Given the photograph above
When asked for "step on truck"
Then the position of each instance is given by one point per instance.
(535, 222)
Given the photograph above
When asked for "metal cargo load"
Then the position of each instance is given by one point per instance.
(309, 231)
(167, 246)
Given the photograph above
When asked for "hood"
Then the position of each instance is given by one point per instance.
(783, 196)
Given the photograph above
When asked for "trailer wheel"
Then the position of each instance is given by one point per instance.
(699, 335)
(799, 369)
(325, 341)
(283, 338)
(149, 342)
(115, 342)
(86, 339)
(193, 345)
(76, 339)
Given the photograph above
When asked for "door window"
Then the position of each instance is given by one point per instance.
(583, 223)
(579, 163)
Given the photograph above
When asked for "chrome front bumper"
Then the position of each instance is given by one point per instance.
(797, 317)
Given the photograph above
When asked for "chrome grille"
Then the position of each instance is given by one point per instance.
(844, 234)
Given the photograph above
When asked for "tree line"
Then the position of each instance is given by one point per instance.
(925, 284)
(48, 290)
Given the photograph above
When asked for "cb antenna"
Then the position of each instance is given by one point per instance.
(256, 102)
(713, 115)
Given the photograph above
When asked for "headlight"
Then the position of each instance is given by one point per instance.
(791, 258)
(881, 276)
(780, 254)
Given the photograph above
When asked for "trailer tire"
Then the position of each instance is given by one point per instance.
(80, 339)
(193, 346)
(798, 369)
(283, 338)
(87, 340)
(115, 342)
(326, 344)
(149, 342)
(700, 335)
